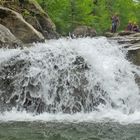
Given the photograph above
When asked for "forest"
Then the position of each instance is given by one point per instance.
(68, 14)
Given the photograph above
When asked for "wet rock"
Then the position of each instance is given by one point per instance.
(131, 38)
(124, 33)
(8, 74)
(131, 42)
(65, 91)
(109, 34)
(84, 31)
(34, 104)
(134, 55)
(16, 89)
(80, 62)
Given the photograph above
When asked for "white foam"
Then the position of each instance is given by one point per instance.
(102, 116)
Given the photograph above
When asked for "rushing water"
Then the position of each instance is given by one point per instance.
(87, 87)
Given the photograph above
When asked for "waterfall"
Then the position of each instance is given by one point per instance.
(69, 77)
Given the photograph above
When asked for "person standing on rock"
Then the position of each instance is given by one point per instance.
(115, 23)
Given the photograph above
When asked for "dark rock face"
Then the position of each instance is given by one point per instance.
(84, 31)
(15, 92)
(7, 39)
(134, 56)
(8, 72)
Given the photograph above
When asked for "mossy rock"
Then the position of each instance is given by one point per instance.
(34, 15)
(19, 27)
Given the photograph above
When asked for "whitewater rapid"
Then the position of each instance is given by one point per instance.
(108, 66)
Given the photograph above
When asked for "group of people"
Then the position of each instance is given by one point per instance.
(132, 27)
(116, 23)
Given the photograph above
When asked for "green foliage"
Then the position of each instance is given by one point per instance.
(68, 14)
(25, 13)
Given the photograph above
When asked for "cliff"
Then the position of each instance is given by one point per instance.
(27, 23)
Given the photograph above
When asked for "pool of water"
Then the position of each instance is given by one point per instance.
(68, 131)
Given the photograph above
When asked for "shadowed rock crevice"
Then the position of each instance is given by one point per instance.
(7, 39)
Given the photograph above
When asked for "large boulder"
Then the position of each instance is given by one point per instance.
(7, 39)
(34, 15)
(28, 83)
(15, 90)
(84, 31)
(124, 33)
(19, 27)
(109, 34)
(134, 54)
